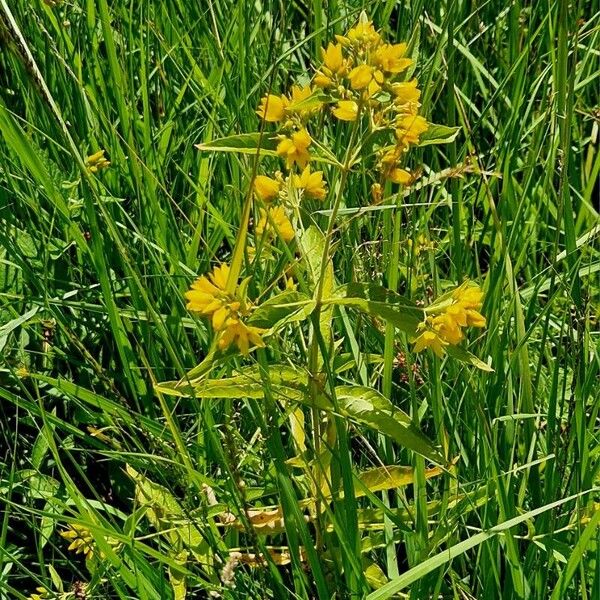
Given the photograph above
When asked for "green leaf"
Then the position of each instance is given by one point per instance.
(435, 562)
(162, 505)
(284, 308)
(378, 301)
(361, 404)
(244, 143)
(459, 353)
(287, 383)
(575, 561)
(389, 478)
(166, 514)
(438, 134)
(38, 485)
(312, 243)
(177, 577)
(13, 324)
(375, 576)
(315, 100)
(368, 407)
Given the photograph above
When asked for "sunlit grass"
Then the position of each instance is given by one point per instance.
(252, 491)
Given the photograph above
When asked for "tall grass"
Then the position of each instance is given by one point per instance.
(93, 268)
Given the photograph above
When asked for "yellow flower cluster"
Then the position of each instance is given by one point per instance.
(293, 147)
(81, 540)
(209, 297)
(97, 161)
(363, 74)
(41, 593)
(443, 326)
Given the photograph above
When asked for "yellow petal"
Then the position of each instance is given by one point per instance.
(347, 110)
(360, 77)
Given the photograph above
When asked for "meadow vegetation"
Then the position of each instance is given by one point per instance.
(299, 299)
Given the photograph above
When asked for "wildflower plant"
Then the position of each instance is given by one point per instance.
(260, 367)
(364, 92)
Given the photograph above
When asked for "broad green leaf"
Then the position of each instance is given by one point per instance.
(39, 450)
(244, 143)
(37, 485)
(361, 404)
(161, 503)
(282, 309)
(380, 302)
(438, 134)
(13, 324)
(316, 99)
(375, 576)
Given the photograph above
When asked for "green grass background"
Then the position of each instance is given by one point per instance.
(93, 271)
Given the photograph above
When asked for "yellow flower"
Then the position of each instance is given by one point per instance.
(460, 310)
(333, 65)
(360, 76)
(312, 183)
(275, 217)
(376, 193)
(410, 128)
(390, 58)
(321, 80)
(346, 110)
(209, 297)
(390, 168)
(272, 108)
(448, 328)
(298, 95)
(333, 58)
(470, 300)
(430, 339)
(295, 148)
(372, 89)
(290, 283)
(266, 188)
(223, 313)
(41, 594)
(363, 34)
(398, 175)
(208, 294)
(97, 161)
(406, 92)
(242, 335)
(81, 540)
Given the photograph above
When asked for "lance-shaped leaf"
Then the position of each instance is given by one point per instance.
(287, 307)
(388, 478)
(287, 383)
(363, 405)
(459, 353)
(243, 143)
(166, 514)
(438, 134)
(378, 301)
(368, 407)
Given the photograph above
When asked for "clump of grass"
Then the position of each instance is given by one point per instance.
(250, 368)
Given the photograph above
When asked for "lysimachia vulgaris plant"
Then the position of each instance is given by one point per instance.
(280, 344)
